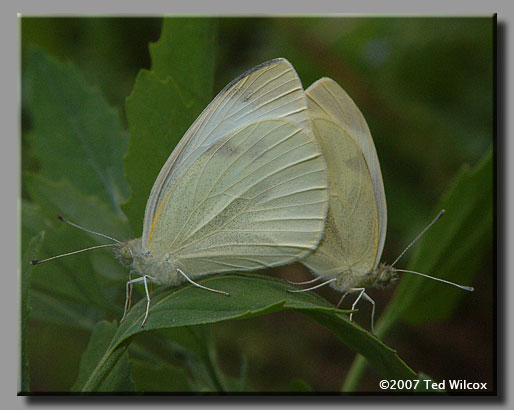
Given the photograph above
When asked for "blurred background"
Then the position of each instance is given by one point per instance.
(425, 87)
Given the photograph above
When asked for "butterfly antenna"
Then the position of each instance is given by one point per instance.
(38, 261)
(87, 230)
(468, 288)
(419, 235)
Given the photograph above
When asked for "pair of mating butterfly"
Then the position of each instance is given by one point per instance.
(268, 174)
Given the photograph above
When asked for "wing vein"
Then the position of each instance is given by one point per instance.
(200, 203)
(248, 188)
(185, 245)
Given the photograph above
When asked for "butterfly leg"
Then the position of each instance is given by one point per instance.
(341, 300)
(128, 298)
(366, 296)
(145, 280)
(362, 294)
(200, 286)
(304, 283)
(130, 283)
(312, 288)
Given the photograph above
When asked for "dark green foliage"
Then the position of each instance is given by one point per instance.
(72, 124)
(119, 378)
(425, 87)
(165, 101)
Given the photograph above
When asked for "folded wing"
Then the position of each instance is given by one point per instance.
(256, 198)
(357, 216)
(269, 91)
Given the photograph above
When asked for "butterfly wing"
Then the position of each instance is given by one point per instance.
(256, 198)
(357, 216)
(269, 91)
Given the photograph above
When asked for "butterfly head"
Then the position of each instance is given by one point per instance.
(384, 275)
(125, 252)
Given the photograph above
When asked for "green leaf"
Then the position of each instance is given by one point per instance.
(452, 249)
(75, 132)
(191, 64)
(194, 344)
(63, 198)
(165, 102)
(202, 361)
(26, 268)
(119, 378)
(77, 289)
(159, 378)
(462, 242)
(250, 295)
(159, 113)
(383, 358)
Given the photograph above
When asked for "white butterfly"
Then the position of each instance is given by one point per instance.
(245, 188)
(348, 256)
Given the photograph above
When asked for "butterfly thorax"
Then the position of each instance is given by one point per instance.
(382, 276)
(163, 271)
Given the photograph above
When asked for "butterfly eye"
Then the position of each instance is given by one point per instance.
(126, 253)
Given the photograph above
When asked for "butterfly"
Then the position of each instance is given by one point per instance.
(245, 188)
(348, 256)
